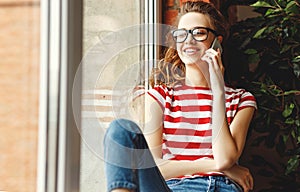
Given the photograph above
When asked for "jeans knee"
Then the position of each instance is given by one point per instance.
(120, 140)
(121, 126)
(120, 129)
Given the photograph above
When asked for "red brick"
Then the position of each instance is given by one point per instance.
(19, 82)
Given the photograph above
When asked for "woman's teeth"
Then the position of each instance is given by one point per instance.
(190, 51)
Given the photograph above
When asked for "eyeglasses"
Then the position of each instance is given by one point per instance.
(198, 33)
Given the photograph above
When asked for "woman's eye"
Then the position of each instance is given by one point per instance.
(180, 35)
(199, 33)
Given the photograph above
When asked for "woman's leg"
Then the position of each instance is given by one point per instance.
(128, 161)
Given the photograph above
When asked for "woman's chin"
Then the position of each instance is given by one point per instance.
(190, 61)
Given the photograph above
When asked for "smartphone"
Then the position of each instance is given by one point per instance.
(216, 44)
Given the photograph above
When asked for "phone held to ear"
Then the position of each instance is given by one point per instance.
(216, 44)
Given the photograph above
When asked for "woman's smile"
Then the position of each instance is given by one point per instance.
(191, 51)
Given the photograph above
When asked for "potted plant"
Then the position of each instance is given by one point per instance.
(263, 56)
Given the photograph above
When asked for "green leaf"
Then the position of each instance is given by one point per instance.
(274, 62)
(296, 59)
(289, 121)
(288, 110)
(270, 29)
(293, 134)
(250, 51)
(253, 58)
(272, 12)
(297, 122)
(296, 69)
(261, 4)
(285, 48)
(292, 164)
(291, 8)
(259, 33)
(286, 32)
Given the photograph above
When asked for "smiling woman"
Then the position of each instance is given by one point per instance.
(195, 125)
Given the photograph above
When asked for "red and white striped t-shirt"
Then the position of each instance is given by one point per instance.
(187, 133)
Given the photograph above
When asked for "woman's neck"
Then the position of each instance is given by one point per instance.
(196, 76)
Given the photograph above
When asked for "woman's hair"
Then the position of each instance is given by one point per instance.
(170, 70)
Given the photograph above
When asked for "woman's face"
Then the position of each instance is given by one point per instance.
(190, 51)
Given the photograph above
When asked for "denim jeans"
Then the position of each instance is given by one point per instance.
(206, 183)
(129, 164)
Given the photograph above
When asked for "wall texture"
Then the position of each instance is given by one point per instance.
(19, 83)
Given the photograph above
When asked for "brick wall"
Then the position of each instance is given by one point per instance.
(19, 83)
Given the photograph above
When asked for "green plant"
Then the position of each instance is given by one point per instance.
(265, 60)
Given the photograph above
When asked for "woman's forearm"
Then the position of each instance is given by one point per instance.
(173, 168)
(223, 145)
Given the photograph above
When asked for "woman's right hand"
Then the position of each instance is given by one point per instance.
(216, 69)
(241, 175)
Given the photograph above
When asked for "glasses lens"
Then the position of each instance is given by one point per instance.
(179, 35)
(200, 34)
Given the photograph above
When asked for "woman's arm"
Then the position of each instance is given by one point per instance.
(228, 142)
(153, 134)
(171, 168)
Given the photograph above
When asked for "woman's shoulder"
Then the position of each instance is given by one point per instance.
(163, 87)
(230, 90)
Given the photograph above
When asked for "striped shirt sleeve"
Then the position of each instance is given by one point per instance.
(247, 100)
(159, 94)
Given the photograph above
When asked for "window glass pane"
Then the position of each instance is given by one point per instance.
(19, 95)
(111, 69)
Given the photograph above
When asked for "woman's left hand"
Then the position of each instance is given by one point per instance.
(216, 69)
(241, 175)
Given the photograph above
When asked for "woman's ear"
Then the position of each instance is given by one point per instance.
(220, 38)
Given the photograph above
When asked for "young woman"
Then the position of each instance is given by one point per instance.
(195, 126)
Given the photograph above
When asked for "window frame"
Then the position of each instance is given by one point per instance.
(152, 42)
(59, 141)
(60, 56)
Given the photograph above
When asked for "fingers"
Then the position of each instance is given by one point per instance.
(251, 182)
(213, 58)
(216, 78)
(247, 182)
(242, 176)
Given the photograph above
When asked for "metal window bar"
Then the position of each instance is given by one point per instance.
(59, 140)
(152, 18)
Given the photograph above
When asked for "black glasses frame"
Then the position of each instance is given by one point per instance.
(191, 32)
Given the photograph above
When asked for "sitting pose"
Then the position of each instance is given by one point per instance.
(195, 127)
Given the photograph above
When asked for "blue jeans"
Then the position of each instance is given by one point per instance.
(206, 183)
(129, 164)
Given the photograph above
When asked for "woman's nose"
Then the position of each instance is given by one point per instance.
(190, 38)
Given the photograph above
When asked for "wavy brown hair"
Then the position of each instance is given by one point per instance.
(170, 70)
